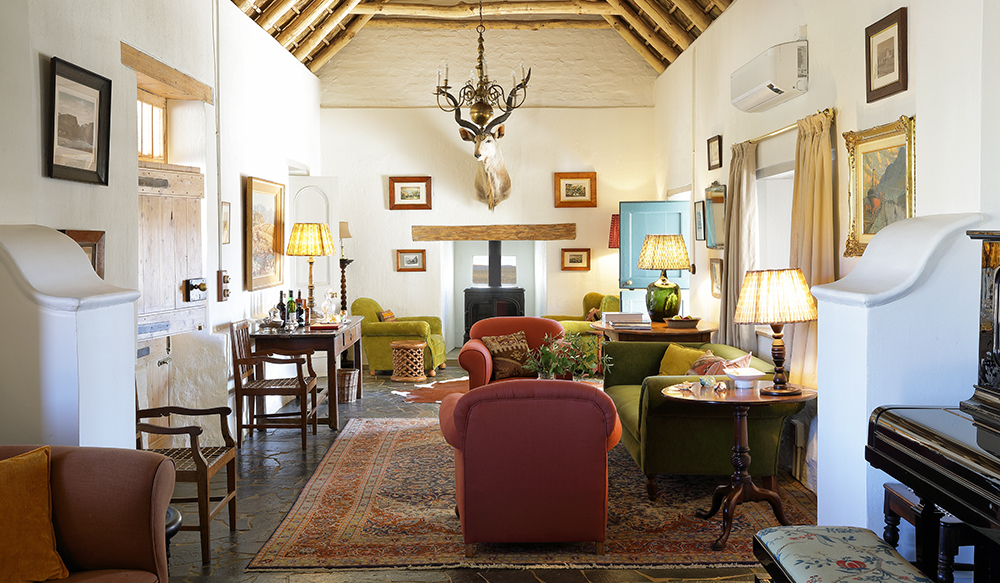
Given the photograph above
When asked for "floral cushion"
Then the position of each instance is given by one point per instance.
(822, 554)
(709, 364)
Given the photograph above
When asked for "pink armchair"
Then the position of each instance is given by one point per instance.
(476, 359)
(531, 462)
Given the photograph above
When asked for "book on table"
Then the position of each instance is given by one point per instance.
(631, 325)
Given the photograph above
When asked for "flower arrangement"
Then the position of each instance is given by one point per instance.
(565, 356)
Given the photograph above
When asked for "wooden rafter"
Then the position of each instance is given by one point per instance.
(246, 6)
(644, 31)
(383, 22)
(332, 22)
(694, 13)
(312, 14)
(338, 42)
(721, 4)
(665, 22)
(274, 13)
(463, 10)
(621, 27)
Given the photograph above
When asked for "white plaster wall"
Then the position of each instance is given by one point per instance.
(569, 68)
(362, 148)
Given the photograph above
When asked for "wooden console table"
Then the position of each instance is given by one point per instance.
(334, 342)
(659, 332)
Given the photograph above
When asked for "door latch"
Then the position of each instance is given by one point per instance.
(195, 289)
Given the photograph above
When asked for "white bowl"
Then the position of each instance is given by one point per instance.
(743, 377)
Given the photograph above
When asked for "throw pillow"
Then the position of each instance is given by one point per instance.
(27, 540)
(593, 315)
(716, 365)
(509, 354)
(387, 316)
(677, 359)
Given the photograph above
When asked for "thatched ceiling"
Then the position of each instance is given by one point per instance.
(315, 30)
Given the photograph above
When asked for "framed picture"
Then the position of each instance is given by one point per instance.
(715, 271)
(92, 243)
(411, 260)
(80, 115)
(576, 259)
(714, 152)
(576, 189)
(881, 186)
(409, 192)
(225, 223)
(699, 220)
(263, 233)
(885, 56)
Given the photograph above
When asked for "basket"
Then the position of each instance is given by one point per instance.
(347, 385)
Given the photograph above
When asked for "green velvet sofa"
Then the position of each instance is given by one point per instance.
(669, 437)
(577, 324)
(377, 335)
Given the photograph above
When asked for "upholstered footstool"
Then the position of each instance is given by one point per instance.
(821, 554)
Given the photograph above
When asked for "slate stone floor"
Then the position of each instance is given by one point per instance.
(272, 471)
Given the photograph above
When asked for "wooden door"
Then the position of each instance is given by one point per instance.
(639, 219)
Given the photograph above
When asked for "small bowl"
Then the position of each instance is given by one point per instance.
(686, 323)
(743, 377)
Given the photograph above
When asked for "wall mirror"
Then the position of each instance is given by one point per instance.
(715, 216)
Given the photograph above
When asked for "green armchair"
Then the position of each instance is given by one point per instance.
(377, 335)
(578, 324)
(668, 437)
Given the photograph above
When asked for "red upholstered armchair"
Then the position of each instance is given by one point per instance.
(531, 461)
(475, 357)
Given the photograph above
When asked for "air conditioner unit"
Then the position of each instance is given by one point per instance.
(775, 76)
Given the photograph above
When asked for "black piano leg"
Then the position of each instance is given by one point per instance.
(927, 530)
(952, 535)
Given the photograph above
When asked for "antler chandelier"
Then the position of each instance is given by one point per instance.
(481, 95)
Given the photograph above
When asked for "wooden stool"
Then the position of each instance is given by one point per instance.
(408, 361)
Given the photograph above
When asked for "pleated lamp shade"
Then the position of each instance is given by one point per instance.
(775, 296)
(614, 235)
(310, 240)
(663, 252)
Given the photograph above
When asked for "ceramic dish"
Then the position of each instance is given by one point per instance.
(687, 323)
(743, 377)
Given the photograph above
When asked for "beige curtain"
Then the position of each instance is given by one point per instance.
(740, 252)
(812, 239)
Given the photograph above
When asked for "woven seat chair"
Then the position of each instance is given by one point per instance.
(196, 464)
(250, 384)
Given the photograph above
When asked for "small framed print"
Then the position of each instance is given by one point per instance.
(885, 56)
(225, 223)
(409, 192)
(715, 152)
(576, 259)
(576, 189)
(699, 220)
(80, 115)
(411, 260)
(715, 271)
(92, 243)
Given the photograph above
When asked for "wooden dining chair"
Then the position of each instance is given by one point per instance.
(251, 386)
(197, 464)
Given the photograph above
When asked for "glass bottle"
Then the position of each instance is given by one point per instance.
(281, 305)
(291, 308)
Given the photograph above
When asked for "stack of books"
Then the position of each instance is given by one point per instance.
(635, 325)
(625, 321)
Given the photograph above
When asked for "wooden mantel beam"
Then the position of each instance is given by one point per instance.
(384, 22)
(463, 10)
(545, 232)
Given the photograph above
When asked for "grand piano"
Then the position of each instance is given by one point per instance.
(950, 456)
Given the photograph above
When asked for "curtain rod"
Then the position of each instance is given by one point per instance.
(828, 112)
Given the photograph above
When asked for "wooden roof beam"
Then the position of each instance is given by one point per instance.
(694, 12)
(645, 31)
(541, 232)
(433, 23)
(332, 22)
(463, 10)
(667, 23)
(721, 4)
(640, 47)
(246, 6)
(312, 14)
(274, 13)
(339, 42)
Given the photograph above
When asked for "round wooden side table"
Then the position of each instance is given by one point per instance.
(408, 361)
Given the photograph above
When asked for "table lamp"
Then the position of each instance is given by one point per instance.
(310, 240)
(614, 234)
(345, 233)
(663, 252)
(776, 297)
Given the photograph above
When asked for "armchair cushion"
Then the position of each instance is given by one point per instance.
(710, 364)
(28, 541)
(386, 316)
(677, 359)
(509, 353)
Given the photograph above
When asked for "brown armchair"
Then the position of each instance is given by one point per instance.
(476, 359)
(543, 478)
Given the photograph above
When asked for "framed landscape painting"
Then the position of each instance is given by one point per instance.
(263, 232)
(885, 56)
(881, 181)
(80, 114)
(575, 189)
(409, 192)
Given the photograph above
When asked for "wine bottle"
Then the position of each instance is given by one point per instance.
(281, 305)
(290, 306)
(300, 311)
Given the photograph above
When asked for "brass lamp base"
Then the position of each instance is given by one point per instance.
(775, 391)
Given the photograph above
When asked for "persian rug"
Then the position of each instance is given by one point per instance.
(435, 392)
(383, 497)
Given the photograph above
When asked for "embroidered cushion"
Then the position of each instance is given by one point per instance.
(509, 354)
(593, 315)
(677, 360)
(709, 364)
(387, 316)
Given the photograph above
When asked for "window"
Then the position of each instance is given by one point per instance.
(481, 269)
(152, 115)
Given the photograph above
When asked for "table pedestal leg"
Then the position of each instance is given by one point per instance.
(741, 487)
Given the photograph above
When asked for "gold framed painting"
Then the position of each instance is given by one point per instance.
(411, 260)
(575, 189)
(881, 189)
(263, 232)
(409, 193)
(576, 259)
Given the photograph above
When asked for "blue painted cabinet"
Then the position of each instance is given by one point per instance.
(639, 219)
